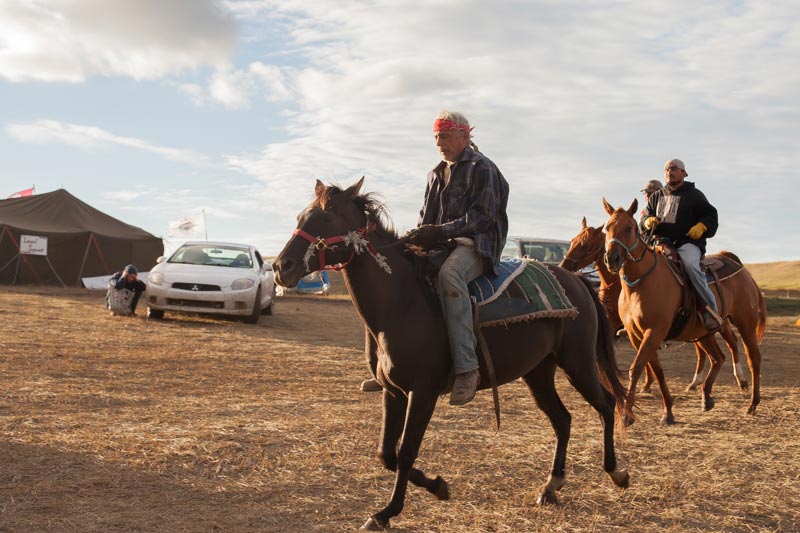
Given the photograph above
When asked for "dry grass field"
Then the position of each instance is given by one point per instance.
(193, 424)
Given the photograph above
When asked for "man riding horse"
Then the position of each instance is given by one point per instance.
(465, 202)
(681, 213)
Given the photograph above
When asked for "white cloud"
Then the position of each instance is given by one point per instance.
(573, 101)
(68, 41)
(51, 131)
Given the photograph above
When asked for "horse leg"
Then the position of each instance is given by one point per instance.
(753, 353)
(418, 415)
(646, 351)
(394, 409)
(710, 346)
(738, 368)
(541, 384)
(667, 401)
(698, 369)
(648, 380)
(589, 386)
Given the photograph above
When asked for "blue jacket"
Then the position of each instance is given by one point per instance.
(472, 204)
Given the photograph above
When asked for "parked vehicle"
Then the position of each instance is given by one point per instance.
(550, 251)
(212, 277)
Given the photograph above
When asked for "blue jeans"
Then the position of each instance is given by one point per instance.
(690, 257)
(462, 266)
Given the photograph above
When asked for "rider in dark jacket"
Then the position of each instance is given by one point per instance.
(682, 214)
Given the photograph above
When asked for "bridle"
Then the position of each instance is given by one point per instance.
(629, 255)
(357, 239)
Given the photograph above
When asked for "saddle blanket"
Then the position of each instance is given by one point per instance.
(523, 291)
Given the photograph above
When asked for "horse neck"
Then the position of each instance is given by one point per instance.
(377, 295)
(634, 270)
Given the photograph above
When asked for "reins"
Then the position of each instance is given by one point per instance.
(629, 255)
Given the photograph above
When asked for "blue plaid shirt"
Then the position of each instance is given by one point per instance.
(472, 204)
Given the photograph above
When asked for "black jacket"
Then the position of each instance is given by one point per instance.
(678, 211)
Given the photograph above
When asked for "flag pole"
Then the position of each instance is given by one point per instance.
(205, 223)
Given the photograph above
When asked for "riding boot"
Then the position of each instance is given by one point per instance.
(711, 320)
(464, 387)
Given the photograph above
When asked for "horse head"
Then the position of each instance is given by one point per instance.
(584, 248)
(330, 232)
(622, 235)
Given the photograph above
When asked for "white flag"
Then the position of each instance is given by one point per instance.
(191, 226)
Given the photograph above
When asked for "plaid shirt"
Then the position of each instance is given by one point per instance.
(472, 204)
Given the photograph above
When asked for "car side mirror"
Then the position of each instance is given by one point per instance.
(161, 259)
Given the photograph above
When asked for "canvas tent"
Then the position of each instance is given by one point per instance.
(67, 239)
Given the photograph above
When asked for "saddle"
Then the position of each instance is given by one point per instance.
(716, 267)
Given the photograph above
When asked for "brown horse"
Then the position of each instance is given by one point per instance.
(651, 297)
(588, 247)
(405, 325)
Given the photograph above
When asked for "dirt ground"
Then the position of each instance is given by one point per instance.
(199, 424)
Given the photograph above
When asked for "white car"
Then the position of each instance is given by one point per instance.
(212, 277)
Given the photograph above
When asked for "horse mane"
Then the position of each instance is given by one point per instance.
(369, 202)
(730, 255)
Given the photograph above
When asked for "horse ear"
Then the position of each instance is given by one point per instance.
(355, 189)
(583, 223)
(633, 207)
(607, 206)
(319, 188)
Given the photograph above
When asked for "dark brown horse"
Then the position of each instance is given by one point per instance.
(651, 297)
(588, 247)
(405, 325)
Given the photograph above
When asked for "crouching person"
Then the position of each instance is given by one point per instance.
(124, 290)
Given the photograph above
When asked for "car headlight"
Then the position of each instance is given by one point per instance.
(156, 278)
(242, 284)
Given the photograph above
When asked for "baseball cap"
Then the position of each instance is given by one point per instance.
(652, 186)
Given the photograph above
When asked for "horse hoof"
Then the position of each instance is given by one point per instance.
(645, 390)
(620, 478)
(628, 420)
(667, 420)
(690, 387)
(708, 403)
(374, 524)
(442, 491)
(547, 497)
(751, 410)
(743, 385)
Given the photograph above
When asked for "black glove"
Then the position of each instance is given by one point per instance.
(426, 236)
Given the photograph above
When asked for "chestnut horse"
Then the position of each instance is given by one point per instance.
(587, 247)
(344, 229)
(651, 297)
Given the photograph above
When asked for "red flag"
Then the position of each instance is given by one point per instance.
(23, 192)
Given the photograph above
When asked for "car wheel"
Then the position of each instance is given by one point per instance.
(270, 309)
(155, 313)
(256, 313)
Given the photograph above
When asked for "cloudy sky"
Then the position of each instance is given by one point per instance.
(152, 110)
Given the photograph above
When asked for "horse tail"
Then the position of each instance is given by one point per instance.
(761, 326)
(607, 367)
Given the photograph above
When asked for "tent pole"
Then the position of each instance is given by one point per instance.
(22, 257)
(55, 273)
(83, 263)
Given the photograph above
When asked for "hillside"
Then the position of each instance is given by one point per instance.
(783, 275)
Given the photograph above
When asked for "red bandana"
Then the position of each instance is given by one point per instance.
(441, 124)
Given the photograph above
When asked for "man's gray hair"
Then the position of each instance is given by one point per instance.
(455, 117)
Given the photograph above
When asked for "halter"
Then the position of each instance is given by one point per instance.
(628, 249)
(358, 239)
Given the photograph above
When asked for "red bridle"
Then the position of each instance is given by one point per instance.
(329, 243)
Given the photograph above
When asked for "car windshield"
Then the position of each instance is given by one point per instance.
(545, 252)
(226, 256)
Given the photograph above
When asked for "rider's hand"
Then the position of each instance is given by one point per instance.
(650, 223)
(696, 231)
(426, 236)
